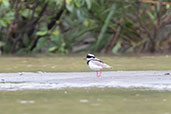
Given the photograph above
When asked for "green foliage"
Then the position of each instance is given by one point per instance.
(6, 15)
(67, 26)
(104, 28)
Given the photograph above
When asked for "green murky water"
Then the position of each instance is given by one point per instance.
(85, 101)
(77, 64)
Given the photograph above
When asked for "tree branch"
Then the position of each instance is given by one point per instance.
(50, 25)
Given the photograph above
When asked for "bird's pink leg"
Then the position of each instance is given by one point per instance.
(101, 72)
(97, 74)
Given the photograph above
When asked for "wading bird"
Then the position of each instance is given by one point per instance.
(96, 64)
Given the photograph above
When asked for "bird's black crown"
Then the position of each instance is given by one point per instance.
(90, 56)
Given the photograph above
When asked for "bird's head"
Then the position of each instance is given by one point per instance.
(90, 57)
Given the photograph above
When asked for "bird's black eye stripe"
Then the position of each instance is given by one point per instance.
(88, 56)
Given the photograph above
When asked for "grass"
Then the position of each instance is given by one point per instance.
(77, 64)
(86, 101)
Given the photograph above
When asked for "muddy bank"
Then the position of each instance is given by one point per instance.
(158, 80)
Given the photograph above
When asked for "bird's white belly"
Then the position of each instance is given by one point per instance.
(94, 66)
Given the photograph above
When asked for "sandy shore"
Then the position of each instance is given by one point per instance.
(158, 80)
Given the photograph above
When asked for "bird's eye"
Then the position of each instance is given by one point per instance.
(88, 56)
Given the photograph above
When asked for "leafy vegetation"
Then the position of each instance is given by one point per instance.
(69, 26)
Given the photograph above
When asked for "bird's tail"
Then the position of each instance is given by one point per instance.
(107, 66)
